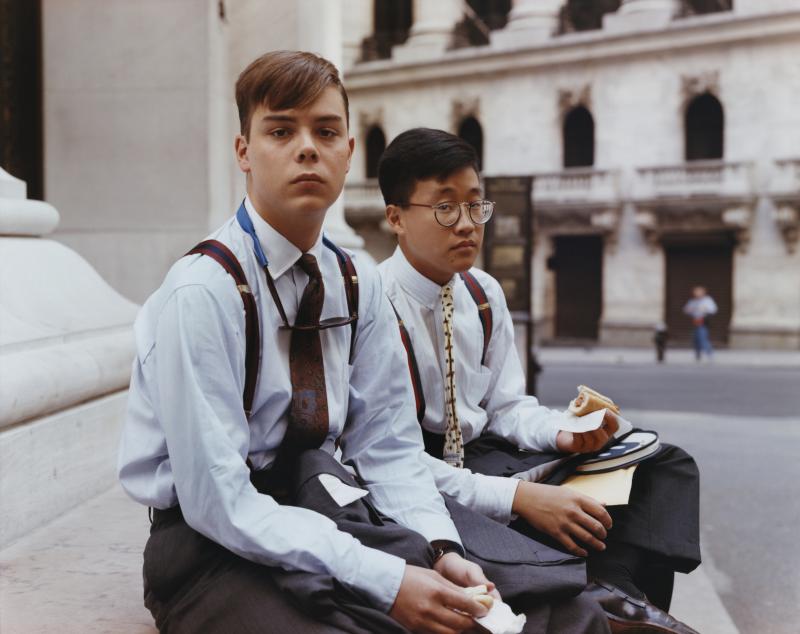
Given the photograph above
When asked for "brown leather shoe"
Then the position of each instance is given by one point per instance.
(628, 615)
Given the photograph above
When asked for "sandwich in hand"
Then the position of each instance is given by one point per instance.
(588, 401)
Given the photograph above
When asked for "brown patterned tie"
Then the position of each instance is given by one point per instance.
(308, 413)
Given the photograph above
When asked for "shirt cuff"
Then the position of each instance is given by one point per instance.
(434, 526)
(494, 496)
(378, 576)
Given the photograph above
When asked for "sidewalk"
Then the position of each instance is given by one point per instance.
(88, 566)
(679, 356)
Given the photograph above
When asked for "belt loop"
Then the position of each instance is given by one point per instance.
(150, 514)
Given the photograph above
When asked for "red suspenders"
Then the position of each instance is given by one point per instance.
(484, 313)
(223, 255)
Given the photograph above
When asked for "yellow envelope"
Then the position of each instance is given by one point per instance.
(610, 488)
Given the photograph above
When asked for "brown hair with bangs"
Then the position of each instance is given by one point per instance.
(282, 80)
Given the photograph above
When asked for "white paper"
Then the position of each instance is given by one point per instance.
(501, 620)
(341, 493)
(590, 422)
(582, 424)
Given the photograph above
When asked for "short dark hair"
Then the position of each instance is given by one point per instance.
(285, 79)
(419, 154)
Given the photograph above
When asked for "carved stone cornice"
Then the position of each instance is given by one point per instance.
(657, 221)
(786, 198)
(369, 118)
(579, 219)
(572, 98)
(787, 217)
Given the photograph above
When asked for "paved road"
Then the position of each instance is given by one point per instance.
(743, 427)
(685, 388)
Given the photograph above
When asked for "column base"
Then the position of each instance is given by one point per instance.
(638, 20)
(522, 36)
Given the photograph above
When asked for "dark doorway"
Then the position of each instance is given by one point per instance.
(578, 264)
(21, 152)
(376, 144)
(578, 138)
(704, 128)
(470, 130)
(690, 265)
(392, 24)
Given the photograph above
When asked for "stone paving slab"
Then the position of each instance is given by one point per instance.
(82, 574)
(79, 574)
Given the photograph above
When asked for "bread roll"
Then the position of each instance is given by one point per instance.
(588, 401)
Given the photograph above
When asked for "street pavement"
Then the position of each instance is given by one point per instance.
(739, 416)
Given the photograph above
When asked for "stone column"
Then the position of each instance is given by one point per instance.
(530, 21)
(432, 30)
(358, 22)
(319, 30)
(638, 14)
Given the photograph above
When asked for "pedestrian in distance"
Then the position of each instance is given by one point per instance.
(660, 338)
(700, 307)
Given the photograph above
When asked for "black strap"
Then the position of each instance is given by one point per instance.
(223, 255)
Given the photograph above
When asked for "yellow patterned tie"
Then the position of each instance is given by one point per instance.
(453, 443)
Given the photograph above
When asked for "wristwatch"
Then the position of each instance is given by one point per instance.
(443, 546)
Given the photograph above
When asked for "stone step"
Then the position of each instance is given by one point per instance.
(81, 573)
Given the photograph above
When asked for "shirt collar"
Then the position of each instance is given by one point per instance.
(425, 291)
(281, 254)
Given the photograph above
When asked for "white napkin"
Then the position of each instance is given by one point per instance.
(581, 424)
(341, 493)
(501, 620)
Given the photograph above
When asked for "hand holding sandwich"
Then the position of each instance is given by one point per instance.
(588, 401)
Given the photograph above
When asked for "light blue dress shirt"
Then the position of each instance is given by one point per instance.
(489, 397)
(186, 438)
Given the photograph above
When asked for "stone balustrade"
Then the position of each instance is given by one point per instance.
(576, 185)
(363, 200)
(694, 179)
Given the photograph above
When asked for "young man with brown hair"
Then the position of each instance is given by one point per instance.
(472, 406)
(228, 459)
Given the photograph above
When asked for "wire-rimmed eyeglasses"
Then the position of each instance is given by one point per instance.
(448, 213)
(324, 324)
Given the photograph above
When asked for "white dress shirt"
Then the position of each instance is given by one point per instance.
(186, 437)
(489, 397)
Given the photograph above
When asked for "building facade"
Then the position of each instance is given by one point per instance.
(663, 138)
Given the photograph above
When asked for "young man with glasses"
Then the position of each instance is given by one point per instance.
(240, 541)
(470, 394)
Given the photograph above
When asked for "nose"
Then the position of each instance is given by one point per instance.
(307, 150)
(464, 226)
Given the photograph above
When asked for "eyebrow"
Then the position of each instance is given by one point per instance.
(285, 118)
(448, 190)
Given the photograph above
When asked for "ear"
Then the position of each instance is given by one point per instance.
(352, 144)
(395, 219)
(240, 146)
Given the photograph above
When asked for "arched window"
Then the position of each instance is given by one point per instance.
(376, 144)
(585, 15)
(704, 128)
(481, 17)
(392, 23)
(578, 138)
(470, 130)
(698, 7)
